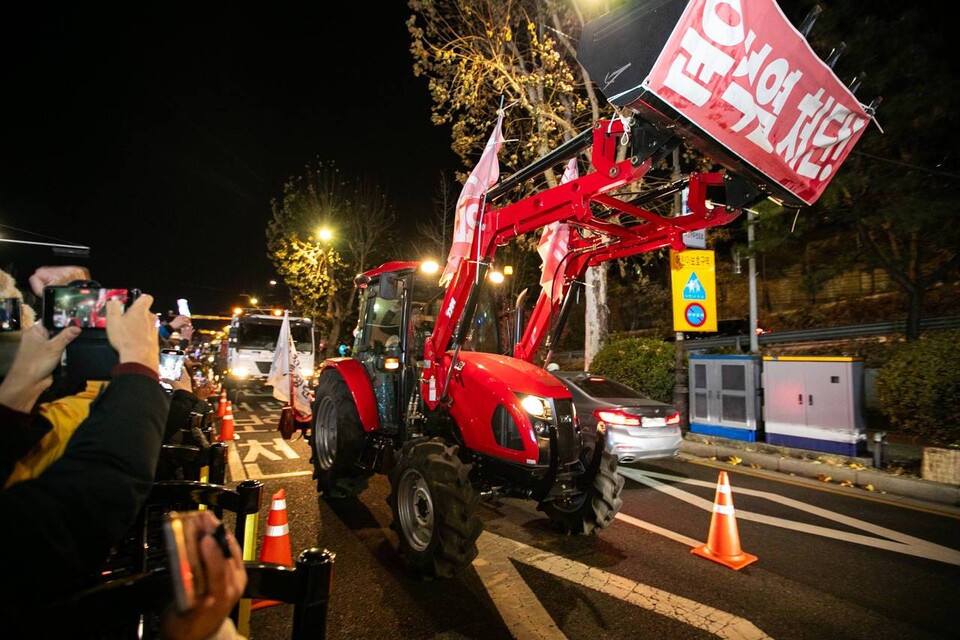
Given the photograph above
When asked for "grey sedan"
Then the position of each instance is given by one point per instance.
(638, 428)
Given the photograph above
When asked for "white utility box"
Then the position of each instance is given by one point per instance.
(814, 403)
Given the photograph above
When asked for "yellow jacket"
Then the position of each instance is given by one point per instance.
(64, 416)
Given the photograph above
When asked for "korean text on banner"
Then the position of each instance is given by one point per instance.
(741, 72)
(285, 374)
(483, 176)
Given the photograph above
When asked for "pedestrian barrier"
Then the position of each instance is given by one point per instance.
(723, 539)
(114, 608)
(276, 541)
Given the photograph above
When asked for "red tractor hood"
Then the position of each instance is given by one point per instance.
(517, 375)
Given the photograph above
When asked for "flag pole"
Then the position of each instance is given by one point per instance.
(293, 404)
(483, 205)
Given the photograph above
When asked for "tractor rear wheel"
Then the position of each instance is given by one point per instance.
(595, 508)
(337, 439)
(434, 509)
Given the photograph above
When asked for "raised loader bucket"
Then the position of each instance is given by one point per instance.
(734, 79)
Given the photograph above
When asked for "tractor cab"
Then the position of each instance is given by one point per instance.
(400, 303)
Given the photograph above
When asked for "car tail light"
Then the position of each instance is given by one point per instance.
(674, 419)
(617, 416)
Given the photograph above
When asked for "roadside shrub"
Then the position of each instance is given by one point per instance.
(918, 388)
(644, 364)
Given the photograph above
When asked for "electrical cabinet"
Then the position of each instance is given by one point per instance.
(725, 396)
(814, 403)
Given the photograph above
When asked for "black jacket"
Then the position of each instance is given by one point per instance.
(57, 528)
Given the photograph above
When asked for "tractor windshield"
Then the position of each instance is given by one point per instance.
(383, 314)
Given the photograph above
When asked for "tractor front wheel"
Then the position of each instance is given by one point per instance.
(434, 509)
(595, 508)
(337, 439)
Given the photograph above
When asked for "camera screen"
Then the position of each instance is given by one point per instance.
(9, 314)
(170, 365)
(83, 307)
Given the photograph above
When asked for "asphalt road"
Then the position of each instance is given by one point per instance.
(830, 564)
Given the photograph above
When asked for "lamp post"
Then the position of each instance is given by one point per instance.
(752, 273)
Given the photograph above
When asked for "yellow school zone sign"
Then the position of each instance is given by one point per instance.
(694, 285)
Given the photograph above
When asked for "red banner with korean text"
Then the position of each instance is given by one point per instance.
(740, 71)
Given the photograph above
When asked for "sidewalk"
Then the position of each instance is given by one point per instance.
(898, 476)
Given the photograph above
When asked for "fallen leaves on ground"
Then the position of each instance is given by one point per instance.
(868, 487)
(734, 460)
(846, 483)
(754, 465)
(857, 466)
(824, 478)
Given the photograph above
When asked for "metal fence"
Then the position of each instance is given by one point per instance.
(818, 335)
(805, 335)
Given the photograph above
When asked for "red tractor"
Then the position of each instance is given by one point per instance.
(428, 396)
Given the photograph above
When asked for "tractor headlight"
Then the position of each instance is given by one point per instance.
(540, 412)
(535, 406)
(240, 372)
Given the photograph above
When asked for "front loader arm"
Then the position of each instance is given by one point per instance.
(603, 228)
(638, 230)
(564, 202)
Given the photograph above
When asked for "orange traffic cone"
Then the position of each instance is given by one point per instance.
(226, 425)
(723, 540)
(276, 541)
(222, 403)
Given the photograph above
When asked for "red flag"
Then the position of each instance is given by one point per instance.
(554, 241)
(483, 176)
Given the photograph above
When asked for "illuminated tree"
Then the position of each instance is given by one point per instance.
(476, 52)
(320, 272)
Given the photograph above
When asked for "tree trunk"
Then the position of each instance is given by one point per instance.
(914, 312)
(597, 314)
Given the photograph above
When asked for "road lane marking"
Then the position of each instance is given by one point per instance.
(519, 607)
(283, 447)
(895, 540)
(234, 464)
(254, 473)
(513, 597)
(258, 449)
(649, 526)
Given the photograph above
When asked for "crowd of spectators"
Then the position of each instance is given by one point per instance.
(77, 464)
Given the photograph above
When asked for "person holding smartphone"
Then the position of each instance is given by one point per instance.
(218, 560)
(184, 401)
(82, 505)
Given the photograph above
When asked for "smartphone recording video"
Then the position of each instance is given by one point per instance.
(9, 314)
(182, 307)
(171, 364)
(79, 306)
(182, 533)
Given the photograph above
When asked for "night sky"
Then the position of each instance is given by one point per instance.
(158, 133)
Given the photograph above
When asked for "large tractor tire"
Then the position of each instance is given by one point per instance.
(337, 439)
(434, 509)
(595, 508)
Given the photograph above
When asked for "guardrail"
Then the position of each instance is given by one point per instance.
(803, 335)
(817, 335)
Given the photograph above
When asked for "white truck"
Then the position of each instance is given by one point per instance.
(247, 353)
